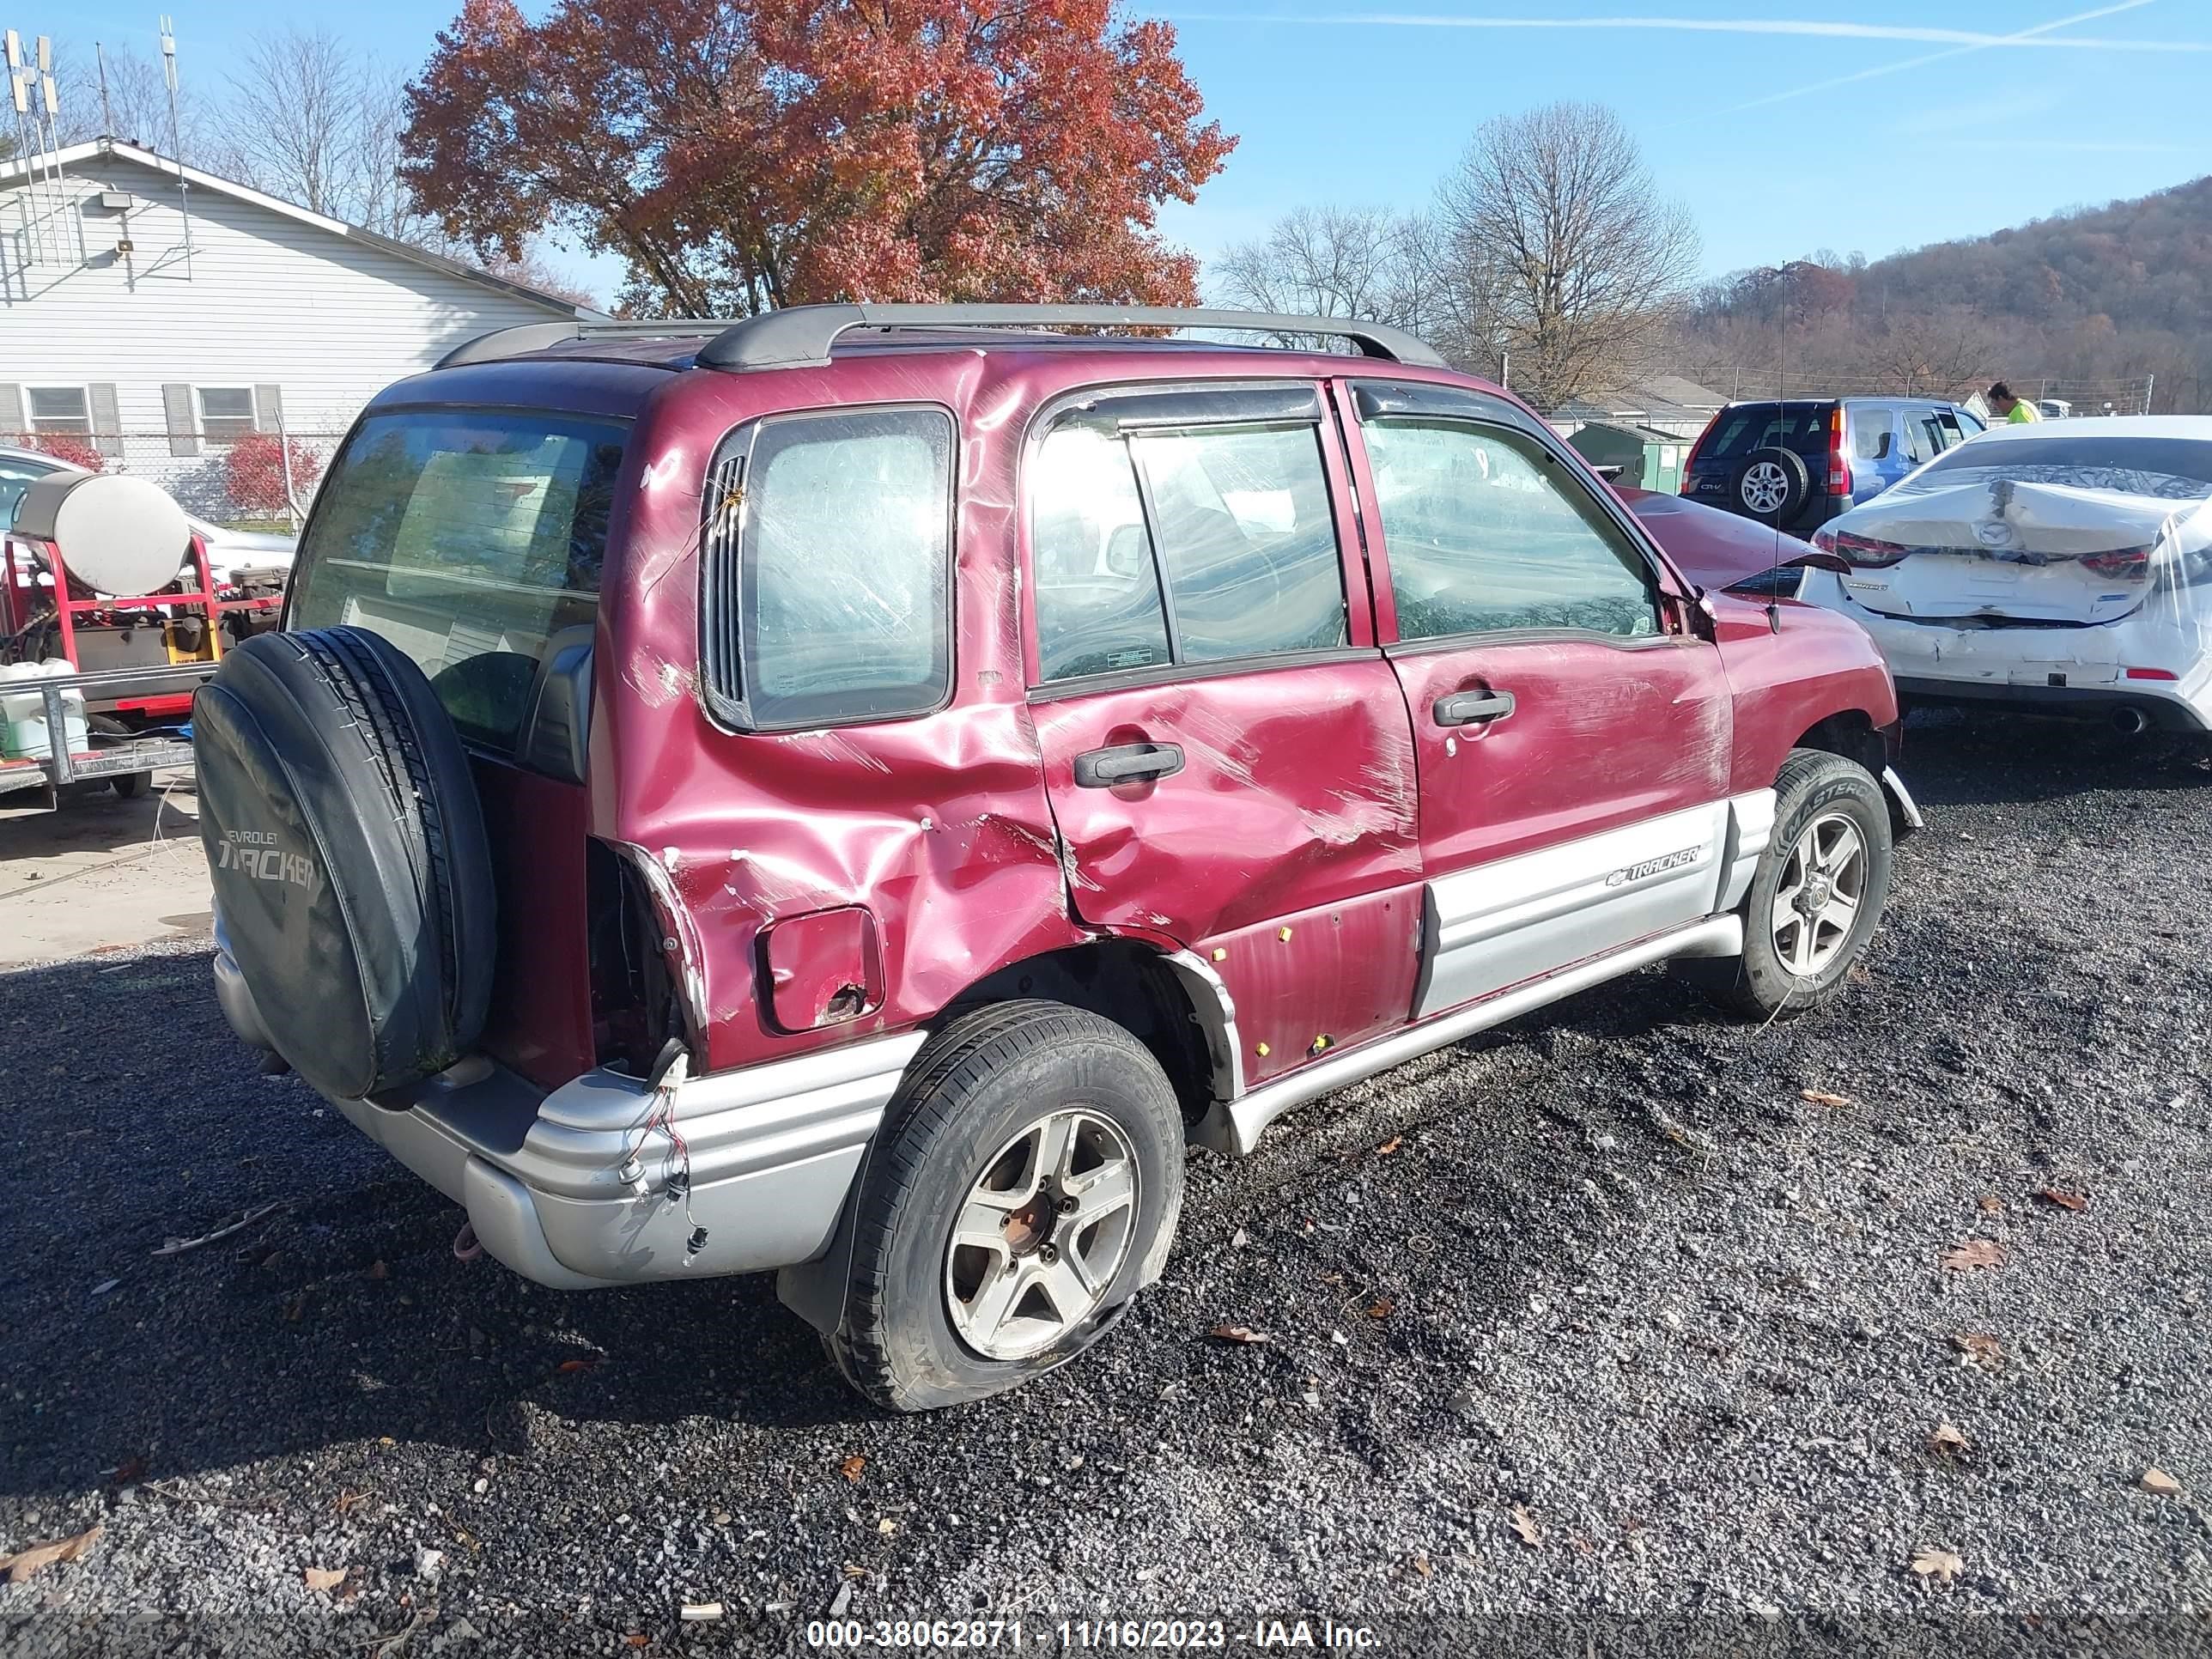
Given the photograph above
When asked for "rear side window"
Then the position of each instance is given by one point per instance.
(468, 540)
(1201, 545)
(828, 568)
(1874, 438)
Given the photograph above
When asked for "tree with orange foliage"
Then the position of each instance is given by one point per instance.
(742, 157)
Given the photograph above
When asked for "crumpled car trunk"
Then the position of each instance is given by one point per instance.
(1969, 545)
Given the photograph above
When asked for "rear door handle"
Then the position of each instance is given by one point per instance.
(1101, 768)
(1474, 708)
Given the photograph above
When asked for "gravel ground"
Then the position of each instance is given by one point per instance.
(1595, 1328)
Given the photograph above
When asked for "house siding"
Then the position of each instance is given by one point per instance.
(262, 300)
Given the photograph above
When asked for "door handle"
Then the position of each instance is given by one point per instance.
(1474, 708)
(1101, 768)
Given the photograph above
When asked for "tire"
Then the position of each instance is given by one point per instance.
(971, 1102)
(1756, 491)
(349, 858)
(132, 785)
(1815, 789)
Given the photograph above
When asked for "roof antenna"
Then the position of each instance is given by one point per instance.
(1781, 388)
(176, 135)
(106, 110)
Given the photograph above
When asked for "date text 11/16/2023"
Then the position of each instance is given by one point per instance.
(1075, 1635)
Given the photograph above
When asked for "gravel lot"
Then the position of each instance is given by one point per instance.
(1607, 1278)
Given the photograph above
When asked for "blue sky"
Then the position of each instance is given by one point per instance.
(1786, 125)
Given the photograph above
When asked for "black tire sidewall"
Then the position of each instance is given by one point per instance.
(1793, 467)
(896, 1334)
(1833, 784)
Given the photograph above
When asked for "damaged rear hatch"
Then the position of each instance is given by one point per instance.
(2065, 529)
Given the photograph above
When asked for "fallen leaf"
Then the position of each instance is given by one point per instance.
(1382, 1308)
(1422, 1566)
(2064, 1200)
(325, 1578)
(1990, 1203)
(1244, 1334)
(378, 1270)
(294, 1308)
(583, 1363)
(1983, 1350)
(346, 1499)
(1524, 1526)
(129, 1473)
(887, 1526)
(24, 1563)
(637, 1638)
(854, 1571)
(1948, 1439)
(386, 1440)
(1332, 1279)
(2158, 1480)
(1239, 1239)
(851, 1466)
(1822, 1098)
(1390, 1146)
(1974, 1252)
(1941, 1564)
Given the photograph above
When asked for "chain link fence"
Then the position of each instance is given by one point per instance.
(248, 481)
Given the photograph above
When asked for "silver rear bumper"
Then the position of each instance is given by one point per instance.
(575, 1190)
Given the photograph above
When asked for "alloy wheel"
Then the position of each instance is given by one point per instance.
(1766, 487)
(1042, 1235)
(1817, 900)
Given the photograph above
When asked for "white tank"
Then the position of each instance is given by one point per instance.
(23, 734)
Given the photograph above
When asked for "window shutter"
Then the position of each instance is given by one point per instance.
(12, 424)
(176, 416)
(106, 422)
(269, 409)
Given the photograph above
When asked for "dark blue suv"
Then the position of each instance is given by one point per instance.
(1796, 463)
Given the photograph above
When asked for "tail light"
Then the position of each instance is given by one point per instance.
(1839, 470)
(2123, 564)
(2152, 674)
(1865, 552)
(1690, 466)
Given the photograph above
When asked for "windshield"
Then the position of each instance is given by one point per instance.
(2178, 469)
(469, 540)
(1736, 431)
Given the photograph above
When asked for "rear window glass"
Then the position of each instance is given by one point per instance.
(1736, 431)
(467, 539)
(2179, 469)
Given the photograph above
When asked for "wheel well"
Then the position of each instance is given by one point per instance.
(1851, 734)
(1128, 983)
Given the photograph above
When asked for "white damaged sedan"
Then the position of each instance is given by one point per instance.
(2062, 566)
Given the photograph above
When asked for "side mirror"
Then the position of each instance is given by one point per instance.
(117, 535)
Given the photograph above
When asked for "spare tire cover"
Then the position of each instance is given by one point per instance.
(348, 853)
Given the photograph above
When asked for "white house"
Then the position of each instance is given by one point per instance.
(163, 312)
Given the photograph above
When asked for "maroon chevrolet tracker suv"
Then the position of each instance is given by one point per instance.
(861, 791)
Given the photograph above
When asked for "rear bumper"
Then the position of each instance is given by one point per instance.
(2056, 670)
(577, 1188)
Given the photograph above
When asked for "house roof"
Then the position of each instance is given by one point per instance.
(17, 171)
(1657, 400)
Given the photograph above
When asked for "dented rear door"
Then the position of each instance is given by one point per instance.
(1228, 759)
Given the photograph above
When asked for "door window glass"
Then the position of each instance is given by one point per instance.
(1485, 534)
(1921, 441)
(1246, 546)
(1871, 436)
(1193, 546)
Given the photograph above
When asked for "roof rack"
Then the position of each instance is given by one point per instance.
(801, 337)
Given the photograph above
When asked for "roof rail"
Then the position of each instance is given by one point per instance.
(800, 337)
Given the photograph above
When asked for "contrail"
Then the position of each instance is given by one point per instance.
(2025, 37)
(1957, 40)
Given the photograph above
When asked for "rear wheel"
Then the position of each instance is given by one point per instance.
(1025, 1185)
(129, 786)
(1816, 896)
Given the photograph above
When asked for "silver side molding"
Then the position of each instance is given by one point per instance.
(1235, 1126)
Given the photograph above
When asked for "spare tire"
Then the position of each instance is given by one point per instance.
(1770, 485)
(348, 853)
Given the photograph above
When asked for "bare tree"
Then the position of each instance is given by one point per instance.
(1321, 262)
(301, 104)
(1554, 247)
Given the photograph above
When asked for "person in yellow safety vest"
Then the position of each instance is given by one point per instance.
(2006, 407)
